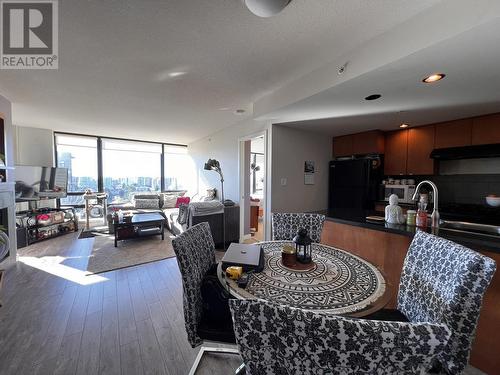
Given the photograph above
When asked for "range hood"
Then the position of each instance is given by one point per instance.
(467, 152)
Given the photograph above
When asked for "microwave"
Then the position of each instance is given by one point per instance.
(404, 192)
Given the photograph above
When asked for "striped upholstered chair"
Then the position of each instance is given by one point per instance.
(286, 225)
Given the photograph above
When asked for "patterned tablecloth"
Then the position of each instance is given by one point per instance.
(340, 283)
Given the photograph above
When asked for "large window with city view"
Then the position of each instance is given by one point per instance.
(79, 155)
(129, 168)
(121, 168)
(179, 168)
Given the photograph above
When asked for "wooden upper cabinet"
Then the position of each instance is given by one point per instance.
(453, 134)
(396, 152)
(486, 129)
(342, 146)
(420, 145)
(371, 142)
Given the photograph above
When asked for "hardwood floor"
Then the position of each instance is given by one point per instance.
(57, 320)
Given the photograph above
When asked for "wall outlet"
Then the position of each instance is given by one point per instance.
(283, 181)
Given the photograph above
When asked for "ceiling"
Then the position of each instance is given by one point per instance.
(471, 87)
(116, 56)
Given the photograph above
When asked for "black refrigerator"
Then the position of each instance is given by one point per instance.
(354, 184)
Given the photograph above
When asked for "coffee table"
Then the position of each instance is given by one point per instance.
(139, 225)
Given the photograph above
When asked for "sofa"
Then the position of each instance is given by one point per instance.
(167, 203)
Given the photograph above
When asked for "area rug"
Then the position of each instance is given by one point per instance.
(338, 283)
(106, 257)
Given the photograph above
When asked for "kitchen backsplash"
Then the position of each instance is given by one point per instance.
(465, 188)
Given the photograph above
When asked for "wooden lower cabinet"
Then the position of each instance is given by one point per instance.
(387, 251)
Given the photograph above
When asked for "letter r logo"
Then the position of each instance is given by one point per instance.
(27, 27)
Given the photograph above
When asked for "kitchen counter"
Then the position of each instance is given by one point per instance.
(386, 245)
(472, 240)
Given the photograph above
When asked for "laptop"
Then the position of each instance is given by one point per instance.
(243, 255)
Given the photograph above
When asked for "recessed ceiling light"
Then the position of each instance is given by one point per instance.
(434, 78)
(404, 125)
(176, 74)
(373, 97)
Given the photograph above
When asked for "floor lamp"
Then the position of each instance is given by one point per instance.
(214, 165)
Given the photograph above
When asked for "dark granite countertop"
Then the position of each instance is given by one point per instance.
(472, 240)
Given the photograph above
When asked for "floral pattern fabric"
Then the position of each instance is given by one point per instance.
(286, 225)
(195, 253)
(275, 340)
(443, 282)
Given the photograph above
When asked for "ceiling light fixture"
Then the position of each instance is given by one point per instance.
(404, 125)
(266, 8)
(434, 78)
(239, 111)
(373, 97)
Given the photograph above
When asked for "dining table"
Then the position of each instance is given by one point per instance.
(336, 282)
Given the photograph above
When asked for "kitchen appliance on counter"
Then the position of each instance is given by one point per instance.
(404, 192)
(354, 183)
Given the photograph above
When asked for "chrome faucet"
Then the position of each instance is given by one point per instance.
(435, 213)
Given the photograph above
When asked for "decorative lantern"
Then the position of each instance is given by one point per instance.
(303, 246)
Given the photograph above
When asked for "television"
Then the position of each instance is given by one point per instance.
(37, 183)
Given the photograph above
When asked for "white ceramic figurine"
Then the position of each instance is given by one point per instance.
(394, 213)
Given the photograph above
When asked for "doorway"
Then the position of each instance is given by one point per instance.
(253, 163)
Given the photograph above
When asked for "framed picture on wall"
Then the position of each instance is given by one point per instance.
(309, 166)
(309, 172)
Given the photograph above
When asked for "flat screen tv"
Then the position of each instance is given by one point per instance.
(36, 183)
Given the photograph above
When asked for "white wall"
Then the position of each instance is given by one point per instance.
(34, 146)
(290, 149)
(223, 146)
(6, 115)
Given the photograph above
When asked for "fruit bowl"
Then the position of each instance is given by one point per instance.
(493, 201)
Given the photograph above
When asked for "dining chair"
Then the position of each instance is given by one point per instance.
(205, 319)
(276, 339)
(443, 282)
(286, 225)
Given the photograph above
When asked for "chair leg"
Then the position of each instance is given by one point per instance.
(212, 349)
(241, 370)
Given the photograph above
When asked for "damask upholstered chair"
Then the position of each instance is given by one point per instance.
(275, 339)
(195, 252)
(286, 225)
(444, 283)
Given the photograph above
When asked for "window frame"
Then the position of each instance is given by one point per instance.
(100, 176)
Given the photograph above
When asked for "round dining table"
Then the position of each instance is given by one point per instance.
(337, 282)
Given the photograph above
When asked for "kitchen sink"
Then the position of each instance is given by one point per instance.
(463, 226)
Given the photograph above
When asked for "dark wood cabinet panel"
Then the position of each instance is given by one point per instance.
(371, 142)
(454, 133)
(420, 145)
(486, 129)
(342, 146)
(396, 152)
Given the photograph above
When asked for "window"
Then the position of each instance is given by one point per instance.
(120, 167)
(130, 167)
(79, 155)
(180, 172)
